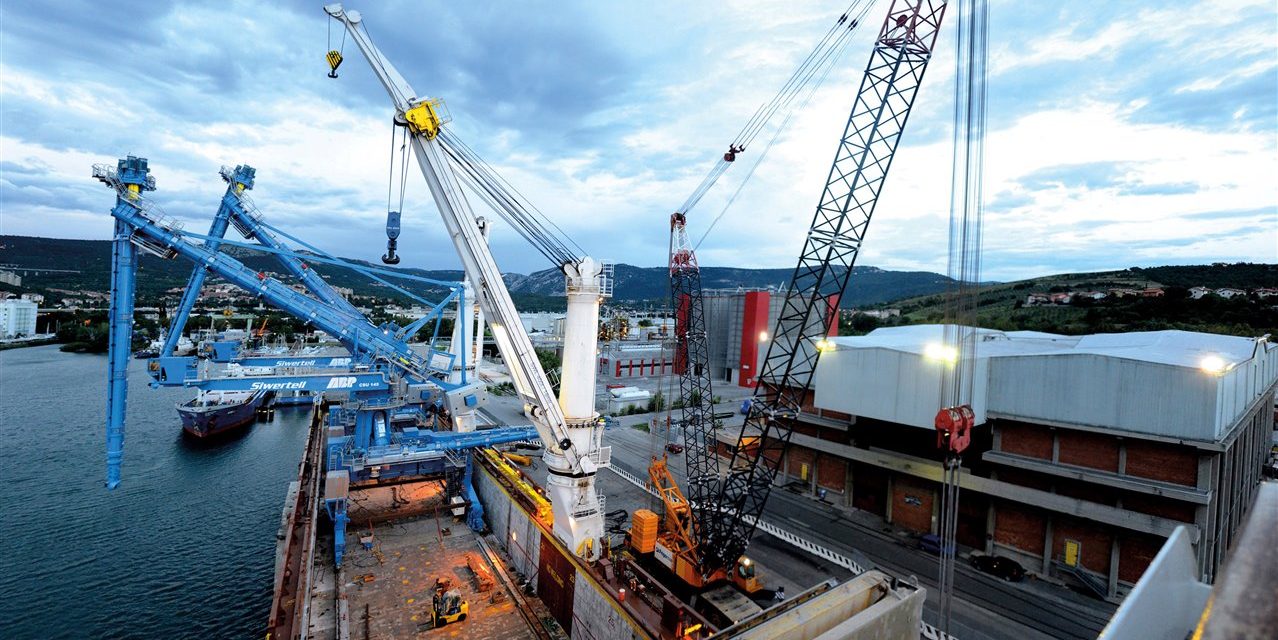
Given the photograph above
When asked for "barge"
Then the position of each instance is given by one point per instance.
(213, 413)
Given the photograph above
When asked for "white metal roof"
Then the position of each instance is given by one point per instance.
(1172, 347)
(1174, 383)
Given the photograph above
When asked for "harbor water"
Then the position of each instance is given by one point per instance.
(184, 548)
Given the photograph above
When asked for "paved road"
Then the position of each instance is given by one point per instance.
(985, 607)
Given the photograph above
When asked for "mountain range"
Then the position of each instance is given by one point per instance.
(85, 265)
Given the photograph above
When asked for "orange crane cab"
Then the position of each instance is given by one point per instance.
(743, 576)
(671, 540)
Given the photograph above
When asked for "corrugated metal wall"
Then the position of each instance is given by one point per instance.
(1073, 388)
(890, 385)
(1101, 391)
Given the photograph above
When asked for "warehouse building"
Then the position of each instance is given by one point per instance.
(1089, 450)
(738, 322)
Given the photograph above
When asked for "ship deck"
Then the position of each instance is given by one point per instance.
(400, 541)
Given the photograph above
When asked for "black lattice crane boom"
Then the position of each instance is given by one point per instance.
(900, 57)
(691, 358)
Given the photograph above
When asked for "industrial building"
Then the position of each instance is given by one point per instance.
(1089, 451)
(17, 318)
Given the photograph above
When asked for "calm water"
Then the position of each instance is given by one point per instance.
(184, 547)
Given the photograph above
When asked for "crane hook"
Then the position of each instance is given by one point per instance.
(392, 232)
(334, 61)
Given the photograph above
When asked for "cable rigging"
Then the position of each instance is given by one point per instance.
(817, 64)
(956, 418)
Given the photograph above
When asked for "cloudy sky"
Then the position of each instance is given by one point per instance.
(1121, 134)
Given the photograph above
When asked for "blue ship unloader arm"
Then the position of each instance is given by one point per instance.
(237, 181)
(139, 225)
(248, 221)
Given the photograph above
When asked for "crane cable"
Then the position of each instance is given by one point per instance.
(964, 260)
(509, 203)
(403, 169)
(818, 61)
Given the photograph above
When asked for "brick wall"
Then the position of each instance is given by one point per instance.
(1025, 478)
(1019, 527)
(1162, 461)
(799, 456)
(1085, 449)
(869, 488)
(1026, 439)
(912, 500)
(1094, 539)
(723, 449)
(1087, 491)
(832, 472)
(833, 435)
(1136, 551)
(835, 415)
(1159, 506)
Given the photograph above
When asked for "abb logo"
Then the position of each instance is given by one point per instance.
(341, 382)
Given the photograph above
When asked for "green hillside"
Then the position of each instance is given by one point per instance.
(1003, 306)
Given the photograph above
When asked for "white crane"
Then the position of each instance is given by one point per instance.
(567, 424)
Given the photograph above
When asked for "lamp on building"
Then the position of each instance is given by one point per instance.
(1214, 365)
(763, 336)
(941, 353)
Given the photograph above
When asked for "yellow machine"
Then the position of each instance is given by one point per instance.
(518, 458)
(673, 543)
(447, 606)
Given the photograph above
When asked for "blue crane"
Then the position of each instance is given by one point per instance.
(237, 210)
(139, 224)
(387, 381)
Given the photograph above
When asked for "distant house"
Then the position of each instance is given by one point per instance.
(1227, 292)
(1036, 299)
(1091, 295)
(1152, 292)
(1266, 292)
(881, 313)
(1197, 293)
(1124, 293)
(1060, 298)
(33, 297)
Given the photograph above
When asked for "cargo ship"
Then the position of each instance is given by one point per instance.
(216, 412)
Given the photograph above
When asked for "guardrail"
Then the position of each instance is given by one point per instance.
(926, 631)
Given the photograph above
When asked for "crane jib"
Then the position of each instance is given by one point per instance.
(877, 119)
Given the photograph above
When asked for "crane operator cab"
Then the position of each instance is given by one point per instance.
(744, 578)
(447, 605)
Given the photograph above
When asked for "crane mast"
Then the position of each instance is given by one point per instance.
(567, 424)
(691, 355)
(879, 113)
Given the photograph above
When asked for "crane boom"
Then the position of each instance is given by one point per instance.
(238, 211)
(882, 106)
(573, 452)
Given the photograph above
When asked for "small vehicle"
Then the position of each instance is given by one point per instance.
(931, 543)
(1005, 568)
(674, 447)
(447, 606)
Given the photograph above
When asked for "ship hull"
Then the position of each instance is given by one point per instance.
(209, 421)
